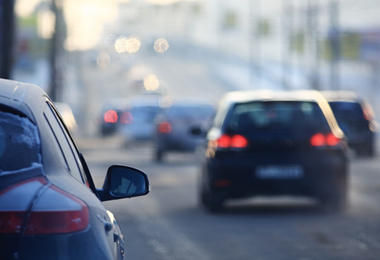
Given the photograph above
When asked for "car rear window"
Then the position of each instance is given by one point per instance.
(145, 113)
(196, 112)
(346, 112)
(278, 115)
(19, 143)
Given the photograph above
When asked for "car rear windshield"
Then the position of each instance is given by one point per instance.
(145, 113)
(192, 112)
(348, 112)
(278, 115)
(19, 143)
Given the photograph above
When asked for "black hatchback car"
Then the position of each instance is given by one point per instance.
(274, 143)
(355, 117)
(49, 206)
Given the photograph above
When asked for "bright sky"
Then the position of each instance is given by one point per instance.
(86, 18)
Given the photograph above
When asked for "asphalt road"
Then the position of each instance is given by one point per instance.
(169, 224)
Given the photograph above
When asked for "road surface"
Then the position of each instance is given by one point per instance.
(169, 224)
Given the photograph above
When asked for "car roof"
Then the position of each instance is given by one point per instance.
(342, 95)
(22, 97)
(192, 102)
(268, 95)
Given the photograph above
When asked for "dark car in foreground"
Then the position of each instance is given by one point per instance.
(355, 117)
(271, 144)
(174, 126)
(49, 206)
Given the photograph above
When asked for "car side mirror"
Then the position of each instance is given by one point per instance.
(124, 182)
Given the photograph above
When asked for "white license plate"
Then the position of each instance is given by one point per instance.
(274, 171)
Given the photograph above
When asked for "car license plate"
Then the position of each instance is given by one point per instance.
(274, 171)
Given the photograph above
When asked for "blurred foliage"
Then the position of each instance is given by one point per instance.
(264, 28)
(28, 37)
(229, 20)
(297, 42)
(349, 47)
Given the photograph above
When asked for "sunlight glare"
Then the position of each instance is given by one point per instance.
(131, 44)
(161, 45)
(151, 82)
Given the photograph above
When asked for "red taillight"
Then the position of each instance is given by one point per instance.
(332, 140)
(14, 204)
(54, 211)
(110, 116)
(126, 118)
(165, 128)
(236, 141)
(11, 221)
(319, 140)
(224, 141)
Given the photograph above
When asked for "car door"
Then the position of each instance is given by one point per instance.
(104, 225)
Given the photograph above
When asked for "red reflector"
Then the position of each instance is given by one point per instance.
(224, 141)
(57, 211)
(164, 128)
(110, 116)
(332, 140)
(222, 183)
(126, 118)
(239, 141)
(318, 140)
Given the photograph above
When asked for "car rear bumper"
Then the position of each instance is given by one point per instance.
(82, 245)
(311, 174)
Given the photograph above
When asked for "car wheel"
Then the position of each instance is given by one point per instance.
(212, 202)
(336, 200)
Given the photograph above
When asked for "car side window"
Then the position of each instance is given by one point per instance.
(64, 142)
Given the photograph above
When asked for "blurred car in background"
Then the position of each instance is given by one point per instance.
(111, 115)
(355, 117)
(138, 122)
(274, 143)
(174, 126)
(67, 115)
(49, 205)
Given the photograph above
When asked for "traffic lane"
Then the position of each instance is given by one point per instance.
(168, 223)
(186, 76)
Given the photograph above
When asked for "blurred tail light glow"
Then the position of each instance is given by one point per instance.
(110, 116)
(235, 141)
(126, 118)
(165, 128)
(319, 140)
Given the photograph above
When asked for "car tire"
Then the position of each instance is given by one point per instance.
(336, 200)
(212, 202)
